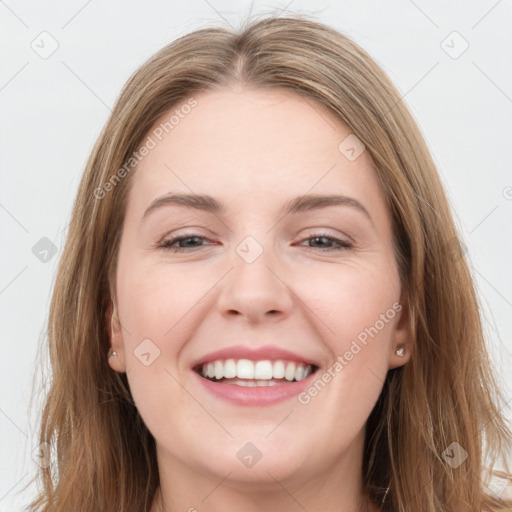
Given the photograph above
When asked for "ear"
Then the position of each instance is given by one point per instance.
(118, 361)
(402, 338)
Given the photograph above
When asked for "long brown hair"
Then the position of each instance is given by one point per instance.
(103, 456)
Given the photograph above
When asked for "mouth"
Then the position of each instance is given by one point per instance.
(249, 373)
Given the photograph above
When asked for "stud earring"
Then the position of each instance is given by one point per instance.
(112, 353)
(400, 352)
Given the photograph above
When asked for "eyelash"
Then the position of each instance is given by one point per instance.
(167, 244)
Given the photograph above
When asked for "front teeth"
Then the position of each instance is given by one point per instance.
(262, 370)
(258, 370)
(244, 369)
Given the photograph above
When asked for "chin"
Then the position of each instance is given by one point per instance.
(256, 459)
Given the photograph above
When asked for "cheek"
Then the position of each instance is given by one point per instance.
(341, 302)
(162, 302)
(350, 301)
(341, 305)
(356, 309)
(156, 298)
(160, 309)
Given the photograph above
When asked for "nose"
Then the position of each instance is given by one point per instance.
(256, 291)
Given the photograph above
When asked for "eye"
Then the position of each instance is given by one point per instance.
(169, 245)
(327, 239)
(193, 242)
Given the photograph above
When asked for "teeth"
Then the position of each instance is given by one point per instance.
(245, 369)
(278, 370)
(229, 369)
(254, 383)
(255, 373)
(263, 370)
(219, 370)
(289, 373)
(299, 373)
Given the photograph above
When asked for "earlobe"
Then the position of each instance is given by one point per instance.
(401, 349)
(115, 361)
(115, 356)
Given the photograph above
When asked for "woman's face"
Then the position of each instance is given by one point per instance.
(268, 277)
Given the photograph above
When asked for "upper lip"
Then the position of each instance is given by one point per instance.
(254, 354)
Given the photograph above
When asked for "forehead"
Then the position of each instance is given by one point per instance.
(254, 147)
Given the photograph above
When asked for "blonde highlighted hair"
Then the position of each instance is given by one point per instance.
(103, 455)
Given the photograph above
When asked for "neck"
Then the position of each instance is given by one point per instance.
(160, 505)
(336, 488)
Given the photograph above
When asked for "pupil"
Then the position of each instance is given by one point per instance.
(191, 238)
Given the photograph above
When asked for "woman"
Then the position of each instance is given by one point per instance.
(262, 303)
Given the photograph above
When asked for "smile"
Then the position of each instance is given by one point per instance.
(244, 372)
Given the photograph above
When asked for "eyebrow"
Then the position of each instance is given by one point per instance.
(296, 205)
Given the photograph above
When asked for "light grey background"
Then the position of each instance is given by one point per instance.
(53, 109)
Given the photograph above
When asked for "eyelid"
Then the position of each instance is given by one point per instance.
(313, 232)
(340, 241)
(321, 231)
(342, 237)
(184, 232)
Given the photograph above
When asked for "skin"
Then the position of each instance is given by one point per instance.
(253, 150)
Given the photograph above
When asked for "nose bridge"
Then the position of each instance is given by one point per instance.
(254, 287)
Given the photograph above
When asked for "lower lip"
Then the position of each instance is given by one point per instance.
(254, 396)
